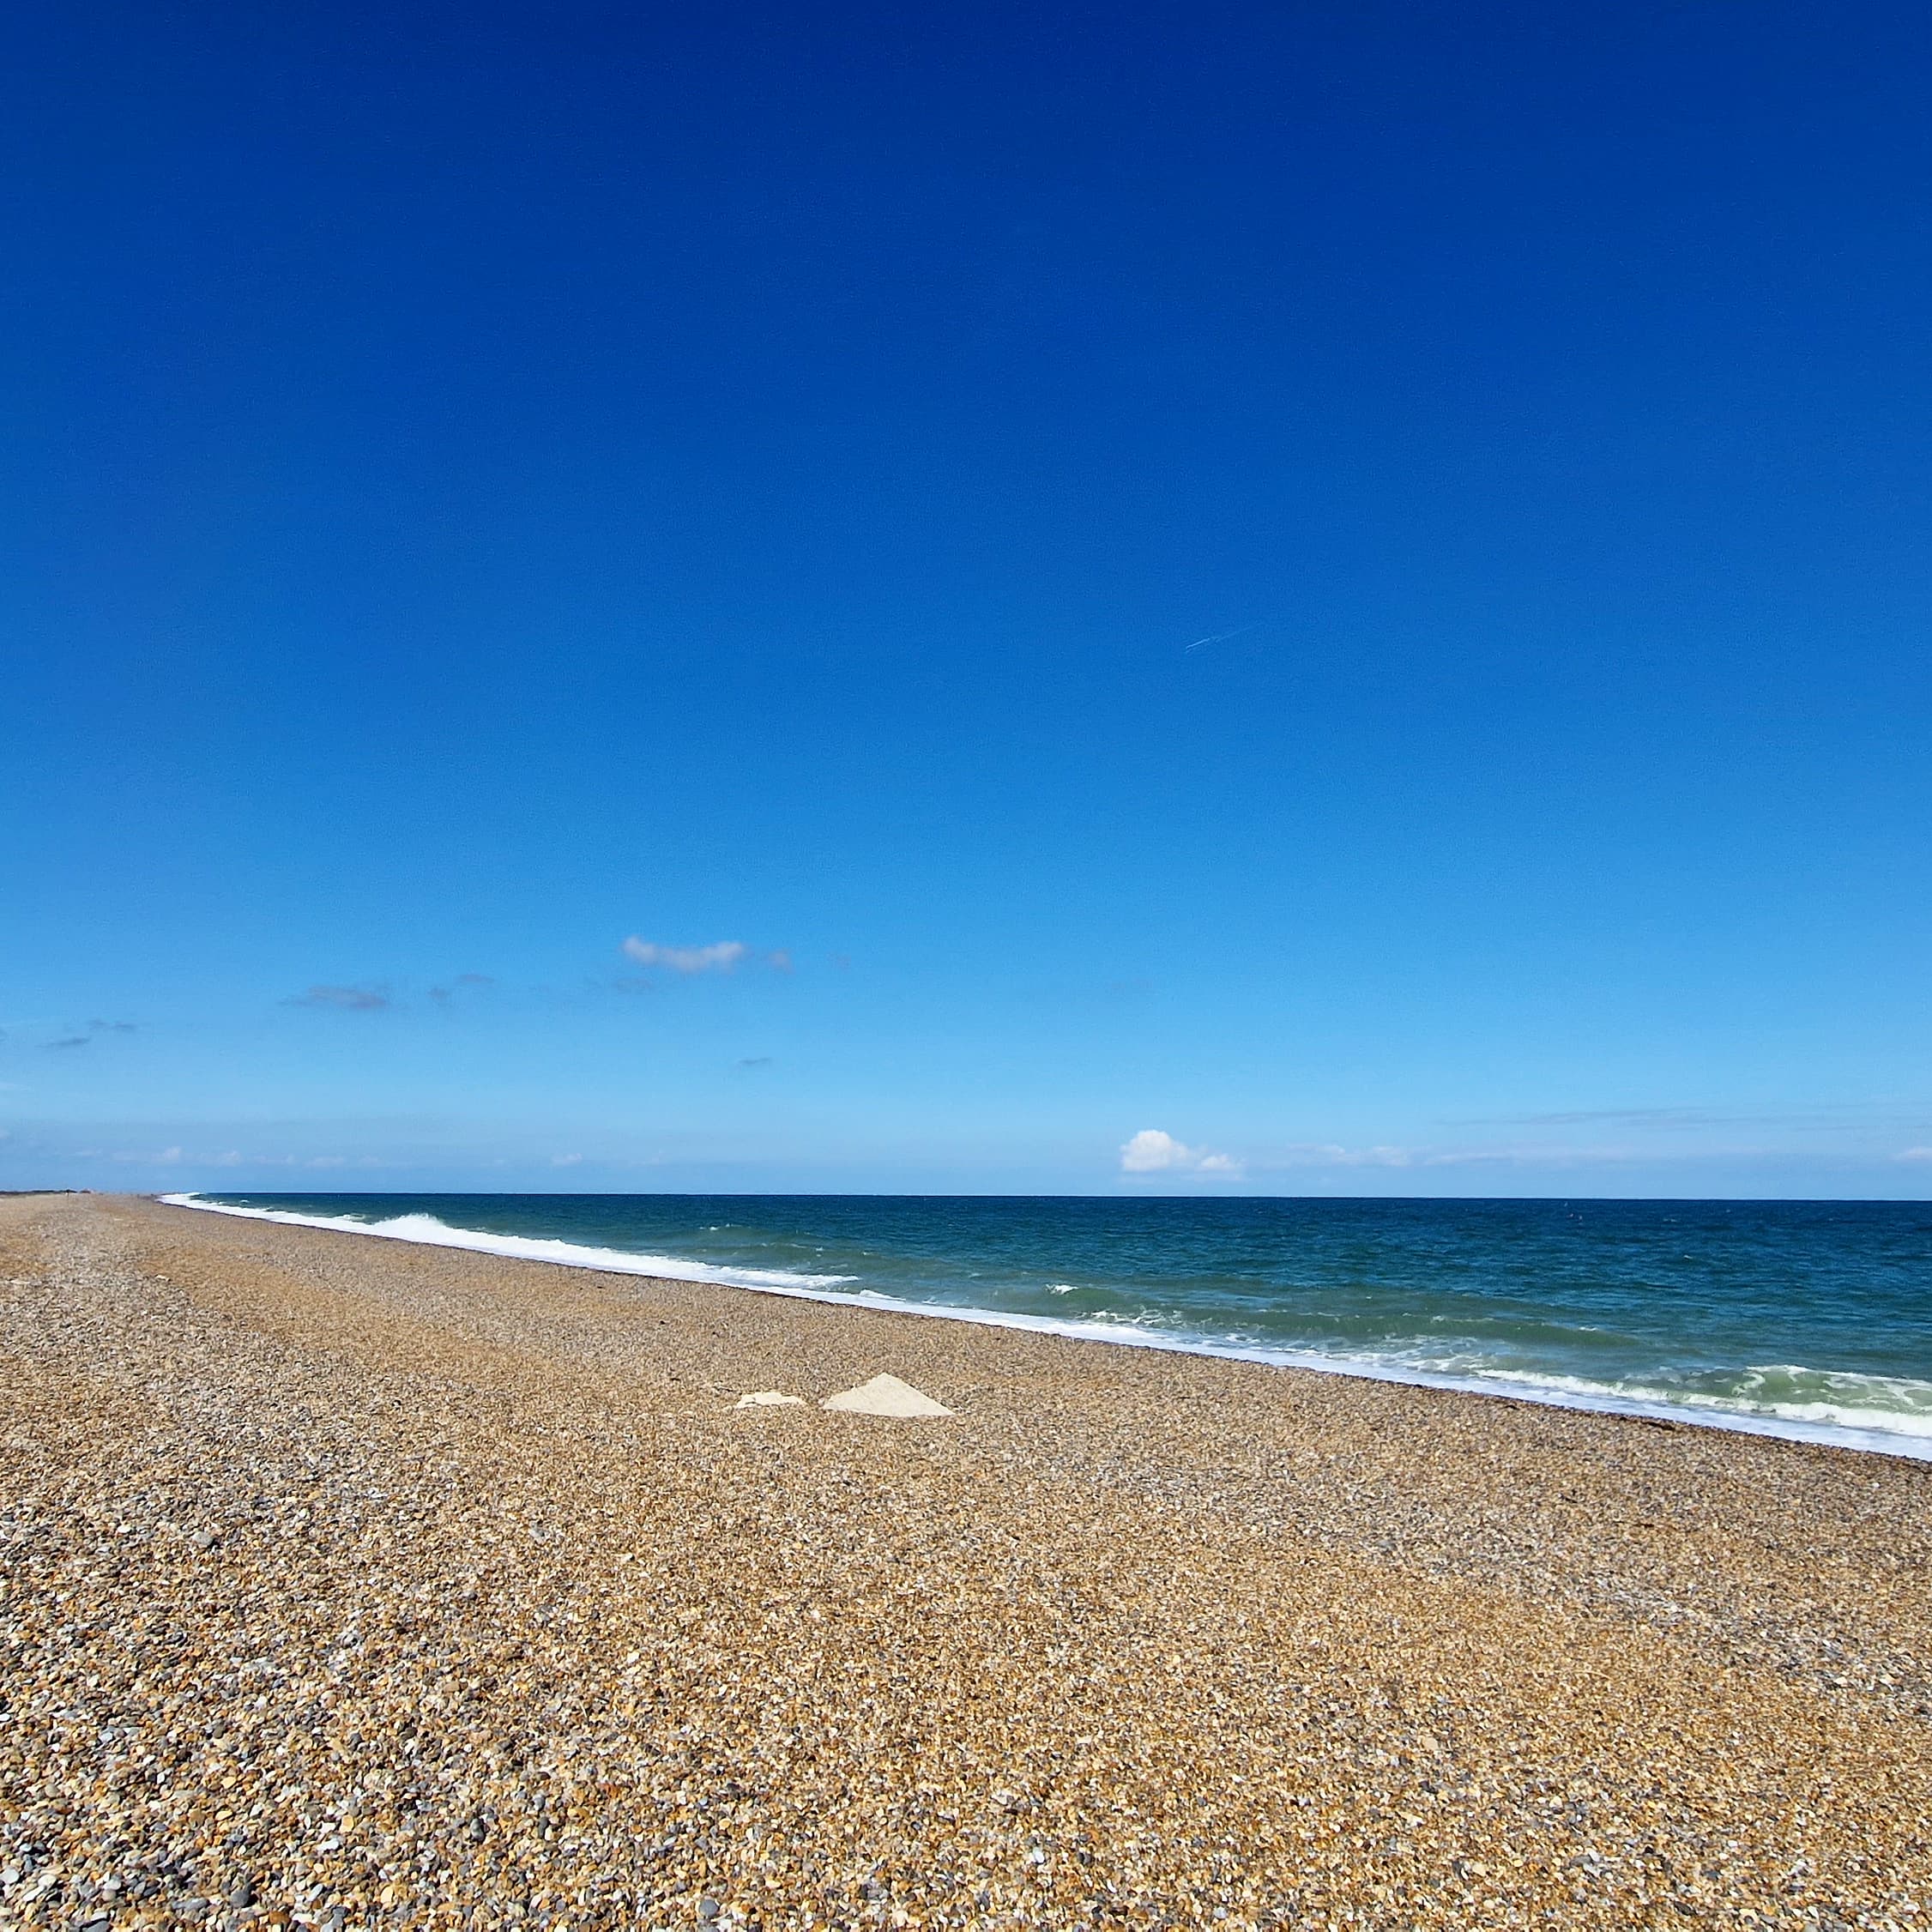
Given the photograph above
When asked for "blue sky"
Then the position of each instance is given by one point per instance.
(1316, 600)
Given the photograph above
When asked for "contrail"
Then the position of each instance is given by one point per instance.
(1222, 636)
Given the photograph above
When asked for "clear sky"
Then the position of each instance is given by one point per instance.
(1317, 598)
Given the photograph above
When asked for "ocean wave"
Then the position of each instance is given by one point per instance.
(1839, 1409)
(426, 1230)
(1817, 1398)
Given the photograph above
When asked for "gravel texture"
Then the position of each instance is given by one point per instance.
(352, 1583)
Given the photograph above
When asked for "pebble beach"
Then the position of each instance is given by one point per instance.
(347, 1583)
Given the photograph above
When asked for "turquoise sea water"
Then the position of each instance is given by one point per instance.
(1811, 1319)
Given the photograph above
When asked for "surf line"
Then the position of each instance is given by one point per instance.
(426, 1230)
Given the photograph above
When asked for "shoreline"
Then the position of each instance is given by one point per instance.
(1898, 1444)
(393, 1585)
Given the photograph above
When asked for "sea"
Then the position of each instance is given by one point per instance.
(1806, 1320)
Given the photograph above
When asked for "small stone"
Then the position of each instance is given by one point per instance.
(204, 1539)
(241, 1892)
(707, 1909)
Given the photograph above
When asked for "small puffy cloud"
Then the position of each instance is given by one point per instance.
(1922, 1154)
(342, 998)
(565, 1160)
(719, 957)
(1152, 1151)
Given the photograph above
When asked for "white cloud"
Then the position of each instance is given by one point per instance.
(234, 1157)
(565, 1160)
(719, 957)
(1151, 1151)
(1332, 1154)
(1917, 1153)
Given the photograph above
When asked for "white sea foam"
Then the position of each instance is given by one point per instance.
(1844, 1401)
(427, 1231)
(1831, 1411)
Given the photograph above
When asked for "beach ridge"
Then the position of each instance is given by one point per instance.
(357, 1582)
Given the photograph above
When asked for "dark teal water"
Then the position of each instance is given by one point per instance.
(1804, 1318)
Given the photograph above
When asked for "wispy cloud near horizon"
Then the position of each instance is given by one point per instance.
(1848, 1117)
(1614, 1116)
(342, 998)
(92, 1031)
(462, 982)
(1333, 1154)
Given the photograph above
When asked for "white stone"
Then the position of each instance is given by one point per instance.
(884, 1395)
(769, 1398)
